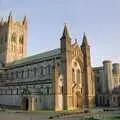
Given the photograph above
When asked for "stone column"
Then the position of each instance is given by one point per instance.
(57, 104)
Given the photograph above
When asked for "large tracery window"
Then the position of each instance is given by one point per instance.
(76, 72)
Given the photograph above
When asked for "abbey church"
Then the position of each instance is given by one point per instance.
(59, 79)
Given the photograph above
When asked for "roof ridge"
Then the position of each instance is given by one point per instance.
(36, 56)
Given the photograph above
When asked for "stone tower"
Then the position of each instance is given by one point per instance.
(108, 78)
(88, 74)
(66, 63)
(13, 38)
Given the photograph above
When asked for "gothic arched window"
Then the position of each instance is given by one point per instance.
(73, 75)
(49, 69)
(21, 40)
(35, 71)
(22, 74)
(28, 73)
(76, 73)
(16, 74)
(41, 70)
(14, 37)
(78, 76)
(13, 41)
(47, 90)
(12, 76)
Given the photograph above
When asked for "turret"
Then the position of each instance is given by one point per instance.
(10, 17)
(65, 65)
(1, 21)
(76, 42)
(65, 39)
(108, 81)
(88, 82)
(85, 42)
(25, 21)
(86, 50)
(116, 68)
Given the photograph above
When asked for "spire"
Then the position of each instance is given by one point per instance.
(1, 21)
(84, 42)
(10, 17)
(65, 32)
(25, 20)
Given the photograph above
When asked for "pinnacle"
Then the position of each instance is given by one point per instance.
(65, 31)
(25, 19)
(85, 42)
(10, 16)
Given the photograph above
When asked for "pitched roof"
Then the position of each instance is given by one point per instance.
(36, 57)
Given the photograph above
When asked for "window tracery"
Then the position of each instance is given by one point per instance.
(76, 73)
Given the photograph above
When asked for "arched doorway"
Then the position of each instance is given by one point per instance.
(25, 103)
(25, 99)
(79, 103)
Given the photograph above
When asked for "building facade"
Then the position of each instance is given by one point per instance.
(58, 79)
(107, 84)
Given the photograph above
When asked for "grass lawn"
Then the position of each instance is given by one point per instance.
(106, 118)
(111, 118)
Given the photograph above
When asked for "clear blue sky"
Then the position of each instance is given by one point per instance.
(100, 19)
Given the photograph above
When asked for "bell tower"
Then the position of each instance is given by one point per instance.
(13, 39)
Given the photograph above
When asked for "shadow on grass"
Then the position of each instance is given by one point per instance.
(91, 118)
(112, 118)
